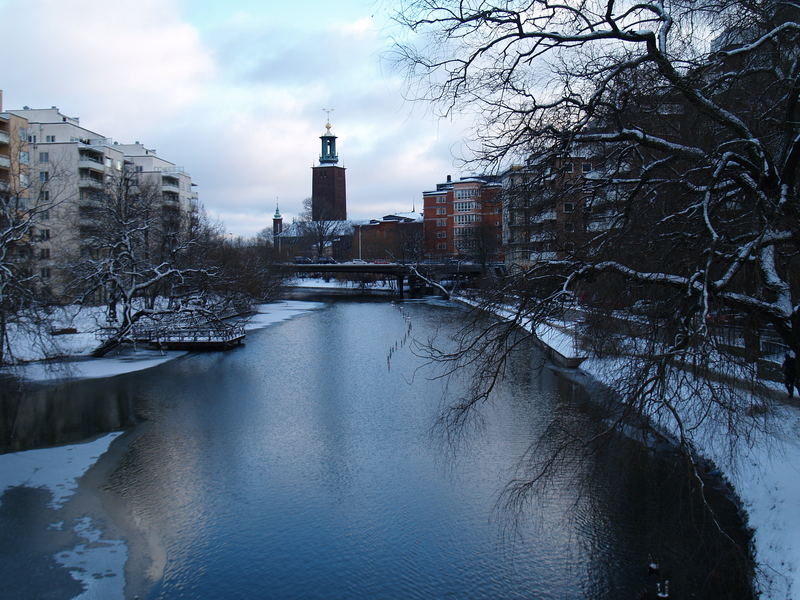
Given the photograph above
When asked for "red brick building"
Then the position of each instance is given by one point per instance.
(396, 237)
(463, 220)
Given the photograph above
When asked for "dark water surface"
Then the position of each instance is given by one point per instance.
(303, 465)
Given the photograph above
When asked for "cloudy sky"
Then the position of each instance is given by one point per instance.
(234, 91)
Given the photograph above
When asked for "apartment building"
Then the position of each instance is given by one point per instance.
(70, 166)
(463, 219)
(14, 158)
(549, 209)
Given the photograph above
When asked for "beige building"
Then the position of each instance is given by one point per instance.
(69, 166)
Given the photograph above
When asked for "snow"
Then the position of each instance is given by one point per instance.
(98, 564)
(134, 360)
(319, 282)
(87, 320)
(55, 469)
(764, 472)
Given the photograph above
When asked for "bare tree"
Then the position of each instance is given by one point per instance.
(26, 205)
(320, 233)
(682, 118)
(132, 250)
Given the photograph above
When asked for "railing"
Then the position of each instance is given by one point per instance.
(188, 335)
(5, 161)
(4, 139)
(89, 182)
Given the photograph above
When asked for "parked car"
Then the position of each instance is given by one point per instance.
(381, 261)
(358, 261)
(325, 260)
(303, 260)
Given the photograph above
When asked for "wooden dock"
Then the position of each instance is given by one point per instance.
(208, 337)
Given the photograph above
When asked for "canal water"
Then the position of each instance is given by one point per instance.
(307, 464)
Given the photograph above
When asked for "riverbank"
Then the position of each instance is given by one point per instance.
(763, 470)
(66, 354)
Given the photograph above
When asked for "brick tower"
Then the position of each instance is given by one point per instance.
(328, 188)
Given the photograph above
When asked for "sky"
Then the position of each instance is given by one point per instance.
(234, 92)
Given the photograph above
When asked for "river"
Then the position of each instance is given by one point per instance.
(306, 464)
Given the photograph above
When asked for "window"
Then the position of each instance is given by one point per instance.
(44, 176)
(587, 166)
(470, 193)
(464, 219)
(45, 272)
(44, 157)
(441, 222)
(441, 234)
(441, 246)
(465, 206)
(108, 161)
(441, 211)
(569, 207)
(568, 167)
(50, 138)
(441, 199)
(23, 134)
(23, 157)
(45, 195)
(44, 252)
(44, 235)
(569, 227)
(32, 139)
(45, 216)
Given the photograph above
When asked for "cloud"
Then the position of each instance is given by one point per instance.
(234, 95)
(117, 63)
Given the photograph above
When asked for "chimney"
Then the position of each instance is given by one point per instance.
(449, 179)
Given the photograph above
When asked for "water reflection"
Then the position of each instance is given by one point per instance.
(35, 415)
(299, 466)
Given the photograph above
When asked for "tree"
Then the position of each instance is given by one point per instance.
(688, 145)
(322, 232)
(133, 248)
(26, 205)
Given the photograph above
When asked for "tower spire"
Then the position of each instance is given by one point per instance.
(328, 155)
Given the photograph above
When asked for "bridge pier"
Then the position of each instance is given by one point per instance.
(400, 284)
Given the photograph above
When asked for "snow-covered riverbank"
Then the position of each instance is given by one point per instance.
(75, 348)
(763, 470)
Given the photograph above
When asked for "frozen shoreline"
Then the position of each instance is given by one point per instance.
(76, 347)
(765, 474)
(95, 562)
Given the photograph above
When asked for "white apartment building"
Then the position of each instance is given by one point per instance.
(70, 165)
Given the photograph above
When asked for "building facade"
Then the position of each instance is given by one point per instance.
(463, 220)
(71, 169)
(549, 209)
(396, 237)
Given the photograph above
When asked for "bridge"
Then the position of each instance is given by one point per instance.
(400, 271)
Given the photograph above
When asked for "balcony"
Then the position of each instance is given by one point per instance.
(5, 161)
(170, 184)
(86, 161)
(4, 139)
(89, 182)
